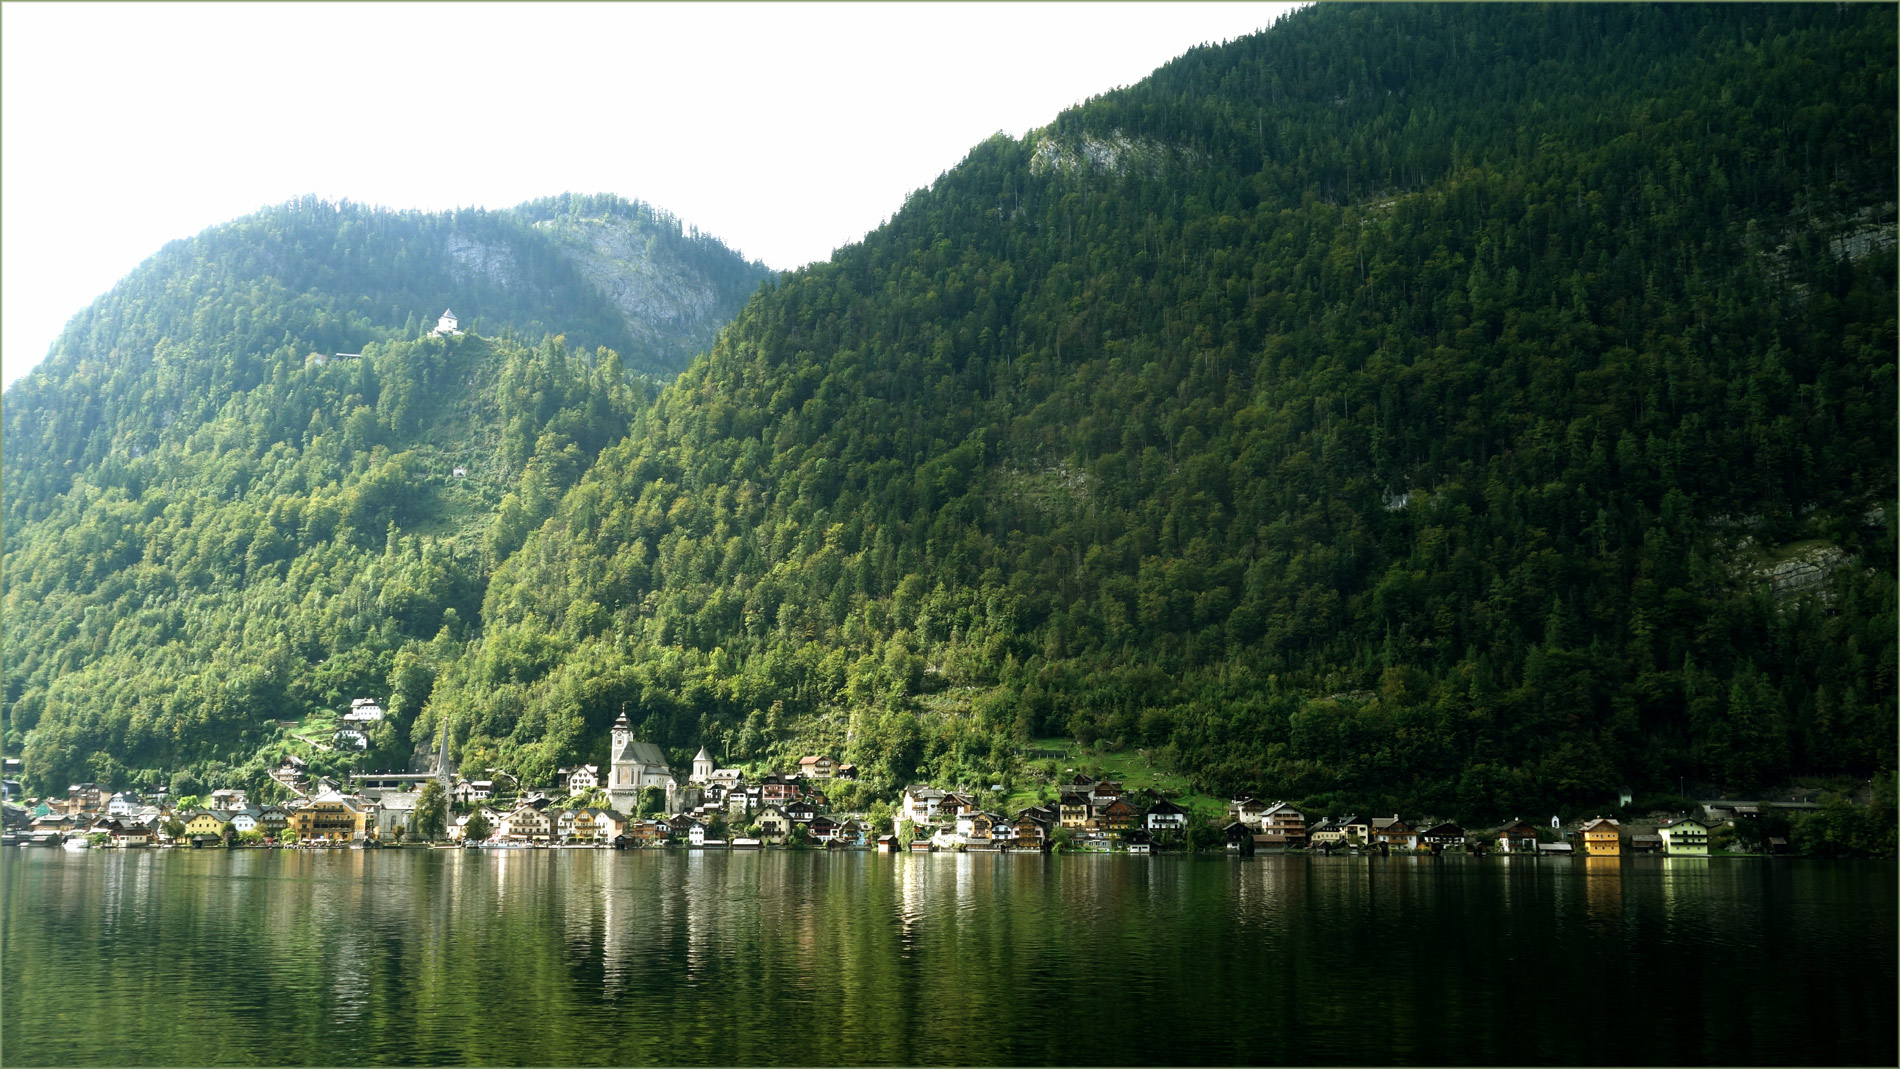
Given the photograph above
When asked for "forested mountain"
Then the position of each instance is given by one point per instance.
(214, 520)
(241, 306)
(1461, 407)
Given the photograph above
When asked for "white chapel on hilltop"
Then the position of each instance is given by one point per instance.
(445, 324)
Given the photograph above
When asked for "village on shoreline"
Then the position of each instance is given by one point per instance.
(720, 808)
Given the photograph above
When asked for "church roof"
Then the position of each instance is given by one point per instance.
(641, 753)
(702, 755)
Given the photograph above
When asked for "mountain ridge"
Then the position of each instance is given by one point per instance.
(1369, 410)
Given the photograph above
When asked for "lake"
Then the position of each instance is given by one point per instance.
(565, 957)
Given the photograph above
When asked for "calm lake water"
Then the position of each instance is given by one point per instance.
(549, 957)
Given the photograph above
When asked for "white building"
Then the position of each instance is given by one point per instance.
(920, 804)
(580, 779)
(636, 766)
(364, 711)
(702, 767)
(445, 324)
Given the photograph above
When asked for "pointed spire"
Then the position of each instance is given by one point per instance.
(442, 757)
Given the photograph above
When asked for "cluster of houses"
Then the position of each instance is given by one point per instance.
(379, 808)
(1257, 825)
(711, 805)
(715, 807)
(125, 818)
(1099, 815)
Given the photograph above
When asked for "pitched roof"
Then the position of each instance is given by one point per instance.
(642, 753)
(702, 755)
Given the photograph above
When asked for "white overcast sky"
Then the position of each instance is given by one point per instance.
(785, 130)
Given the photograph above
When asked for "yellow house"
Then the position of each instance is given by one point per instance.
(1602, 837)
(331, 817)
(1687, 837)
(207, 822)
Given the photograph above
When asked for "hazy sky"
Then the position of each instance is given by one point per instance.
(783, 129)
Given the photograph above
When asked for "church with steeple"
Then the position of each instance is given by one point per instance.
(636, 766)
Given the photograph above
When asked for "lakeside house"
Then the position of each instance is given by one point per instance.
(1394, 833)
(1602, 837)
(1687, 837)
(1517, 837)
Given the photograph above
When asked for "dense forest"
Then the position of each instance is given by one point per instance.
(239, 309)
(1457, 408)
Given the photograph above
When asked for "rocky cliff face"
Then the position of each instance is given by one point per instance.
(658, 299)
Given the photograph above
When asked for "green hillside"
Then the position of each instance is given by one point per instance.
(1391, 405)
(214, 521)
(239, 308)
(1462, 408)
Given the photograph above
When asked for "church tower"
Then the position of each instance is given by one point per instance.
(702, 767)
(623, 734)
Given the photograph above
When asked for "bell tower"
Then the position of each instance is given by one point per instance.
(623, 734)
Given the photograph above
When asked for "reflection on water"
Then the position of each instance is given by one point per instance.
(680, 957)
(1603, 887)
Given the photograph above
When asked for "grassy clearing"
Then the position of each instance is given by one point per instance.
(1134, 769)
